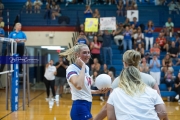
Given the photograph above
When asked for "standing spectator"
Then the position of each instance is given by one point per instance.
(140, 49)
(55, 10)
(155, 71)
(50, 72)
(82, 39)
(1, 8)
(60, 79)
(127, 42)
(96, 14)
(120, 7)
(155, 49)
(37, 6)
(166, 63)
(29, 5)
(177, 87)
(144, 66)
(95, 49)
(20, 38)
(118, 34)
(173, 7)
(1, 22)
(170, 26)
(88, 12)
(162, 43)
(106, 46)
(95, 66)
(149, 34)
(138, 38)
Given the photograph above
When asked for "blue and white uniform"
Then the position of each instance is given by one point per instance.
(82, 99)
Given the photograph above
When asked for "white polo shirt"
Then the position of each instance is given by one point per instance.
(85, 92)
(49, 72)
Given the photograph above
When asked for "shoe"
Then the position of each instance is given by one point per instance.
(102, 99)
(177, 97)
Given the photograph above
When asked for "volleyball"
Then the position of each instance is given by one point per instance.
(103, 81)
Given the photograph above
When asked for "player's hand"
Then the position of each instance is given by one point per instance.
(80, 62)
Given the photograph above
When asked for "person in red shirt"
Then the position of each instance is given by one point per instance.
(161, 42)
(155, 49)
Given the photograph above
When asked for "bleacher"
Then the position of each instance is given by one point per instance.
(158, 14)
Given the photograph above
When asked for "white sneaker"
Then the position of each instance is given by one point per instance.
(102, 99)
(177, 97)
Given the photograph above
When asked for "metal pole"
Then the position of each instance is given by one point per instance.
(24, 86)
(27, 78)
(7, 92)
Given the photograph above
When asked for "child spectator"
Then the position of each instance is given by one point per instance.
(149, 34)
(144, 66)
(37, 6)
(29, 5)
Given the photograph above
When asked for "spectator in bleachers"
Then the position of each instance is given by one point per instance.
(118, 34)
(29, 5)
(136, 24)
(95, 66)
(88, 2)
(111, 74)
(166, 63)
(88, 12)
(155, 49)
(170, 26)
(144, 66)
(126, 23)
(47, 14)
(177, 87)
(37, 6)
(105, 69)
(95, 49)
(81, 28)
(96, 14)
(82, 39)
(127, 42)
(1, 8)
(177, 42)
(162, 43)
(93, 87)
(2, 33)
(106, 46)
(1, 22)
(155, 71)
(120, 7)
(169, 79)
(173, 52)
(55, 10)
(133, 5)
(138, 38)
(149, 34)
(140, 49)
(173, 7)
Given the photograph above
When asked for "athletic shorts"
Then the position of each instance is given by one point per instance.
(60, 81)
(81, 110)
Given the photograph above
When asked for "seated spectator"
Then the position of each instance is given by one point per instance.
(166, 63)
(82, 39)
(1, 8)
(29, 5)
(118, 34)
(120, 7)
(149, 35)
(177, 42)
(133, 29)
(169, 79)
(140, 49)
(95, 66)
(177, 87)
(55, 10)
(93, 86)
(105, 69)
(155, 49)
(88, 12)
(173, 7)
(111, 74)
(144, 66)
(127, 42)
(37, 6)
(136, 24)
(170, 26)
(81, 28)
(1, 22)
(133, 5)
(96, 14)
(162, 43)
(173, 52)
(126, 23)
(95, 49)
(154, 66)
(138, 38)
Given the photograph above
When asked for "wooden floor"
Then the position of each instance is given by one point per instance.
(39, 108)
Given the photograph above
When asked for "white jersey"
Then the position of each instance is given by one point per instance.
(49, 72)
(146, 78)
(140, 107)
(85, 92)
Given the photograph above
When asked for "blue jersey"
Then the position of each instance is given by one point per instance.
(18, 35)
(2, 32)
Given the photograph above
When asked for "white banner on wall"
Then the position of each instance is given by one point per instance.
(133, 13)
(108, 23)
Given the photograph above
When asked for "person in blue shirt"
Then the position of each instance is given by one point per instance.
(136, 24)
(82, 39)
(20, 38)
(127, 42)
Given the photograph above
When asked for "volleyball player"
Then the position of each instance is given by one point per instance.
(131, 58)
(79, 80)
